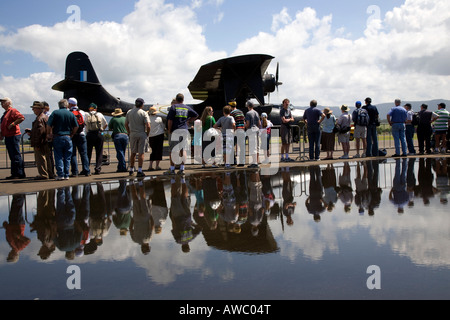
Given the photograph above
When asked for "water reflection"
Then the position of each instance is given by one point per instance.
(170, 226)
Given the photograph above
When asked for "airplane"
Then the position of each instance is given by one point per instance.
(239, 79)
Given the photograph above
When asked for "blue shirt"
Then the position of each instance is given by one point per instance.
(398, 114)
(180, 114)
(312, 116)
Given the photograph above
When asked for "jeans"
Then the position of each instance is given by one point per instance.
(79, 142)
(409, 133)
(13, 146)
(62, 148)
(314, 144)
(398, 132)
(372, 141)
(121, 143)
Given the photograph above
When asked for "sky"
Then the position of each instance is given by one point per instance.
(336, 52)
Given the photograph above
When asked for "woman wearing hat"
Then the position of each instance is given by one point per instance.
(328, 136)
(156, 138)
(120, 137)
(344, 122)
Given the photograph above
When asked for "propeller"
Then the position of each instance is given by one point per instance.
(277, 77)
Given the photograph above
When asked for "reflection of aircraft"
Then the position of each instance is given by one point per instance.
(241, 78)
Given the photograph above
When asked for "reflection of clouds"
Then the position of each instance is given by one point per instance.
(419, 235)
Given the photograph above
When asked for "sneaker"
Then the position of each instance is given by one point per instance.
(131, 171)
(140, 175)
(363, 155)
(344, 157)
(85, 173)
(357, 156)
(290, 160)
(66, 178)
(443, 151)
(395, 156)
(214, 166)
(169, 172)
(59, 178)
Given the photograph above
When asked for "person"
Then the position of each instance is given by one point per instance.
(156, 138)
(328, 135)
(266, 134)
(228, 126)
(252, 126)
(285, 130)
(208, 122)
(120, 137)
(15, 229)
(62, 126)
(410, 129)
(137, 123)
(441, 120)
(372, 134)
(239, 139)
(38, 141)
(424, 129)
(313, 118)
(47, 111)
(95, 125)
(344, 121)
(397, 118)
(361, 120)
(79, 141)
(177, 122)
(10, 130)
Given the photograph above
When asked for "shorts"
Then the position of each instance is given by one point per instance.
(360, 132)
(440, 132)
(138, 142)
(286, 135)
(344, 137)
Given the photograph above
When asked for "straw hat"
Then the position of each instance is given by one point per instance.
(345, 108)
(117, 112)
(152, 111)
(327, 111)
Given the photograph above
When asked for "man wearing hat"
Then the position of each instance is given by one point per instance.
(95, 125)
(38, 140)
(120, 138)
(79, 141)
(11, 132)
(137, 123)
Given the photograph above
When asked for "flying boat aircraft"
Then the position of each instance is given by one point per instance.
(240, 79)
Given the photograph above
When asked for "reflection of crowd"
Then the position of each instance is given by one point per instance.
(230, 208)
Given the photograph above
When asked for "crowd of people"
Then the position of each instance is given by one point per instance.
(323, 126)
(62, 137)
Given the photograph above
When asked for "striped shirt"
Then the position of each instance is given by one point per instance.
(239, 118)
(441, 123)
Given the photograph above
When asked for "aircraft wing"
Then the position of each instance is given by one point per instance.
(240, 78)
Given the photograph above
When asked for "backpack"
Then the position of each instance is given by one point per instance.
(80, 120)
(415, 119)
(362, 118)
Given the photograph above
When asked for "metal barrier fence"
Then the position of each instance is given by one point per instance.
(299, 147)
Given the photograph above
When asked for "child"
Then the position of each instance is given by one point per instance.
(227, 125)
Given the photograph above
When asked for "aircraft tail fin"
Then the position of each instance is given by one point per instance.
(81, 82)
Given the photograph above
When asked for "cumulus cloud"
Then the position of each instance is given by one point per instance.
(156, 50)
(401, 54)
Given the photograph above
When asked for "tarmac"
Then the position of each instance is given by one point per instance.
(29, 185)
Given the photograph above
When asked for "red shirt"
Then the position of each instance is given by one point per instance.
(9, 117)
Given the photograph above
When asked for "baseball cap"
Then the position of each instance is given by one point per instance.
(73, 101)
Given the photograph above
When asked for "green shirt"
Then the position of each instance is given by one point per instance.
(441, 124)
(63, 121)
(209, 123)
(117, 125)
